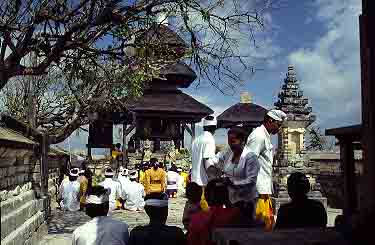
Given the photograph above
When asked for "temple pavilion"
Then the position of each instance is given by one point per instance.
(246, 113)
(164, 112)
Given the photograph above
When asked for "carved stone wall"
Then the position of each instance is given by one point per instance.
(24, 209)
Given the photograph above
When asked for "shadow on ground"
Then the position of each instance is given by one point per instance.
(66, 222)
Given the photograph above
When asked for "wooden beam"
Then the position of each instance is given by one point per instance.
(193, 130)
(186, 127)
(350, 190)
(44, 171)
(367, 49)
(192, 133)
(129, 129)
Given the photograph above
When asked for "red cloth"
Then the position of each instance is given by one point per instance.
(203, 223)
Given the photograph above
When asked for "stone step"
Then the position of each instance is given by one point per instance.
(30, 232)
(18, 216)
(16, 202)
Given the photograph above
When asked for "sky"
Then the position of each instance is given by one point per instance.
(320, 39)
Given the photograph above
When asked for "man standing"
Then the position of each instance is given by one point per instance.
(70, 192)
(114, 186)
(134, 194)
(102, 229)
(202, 154)
(259, 143)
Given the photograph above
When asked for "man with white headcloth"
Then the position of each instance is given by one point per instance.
(114, 186)
(134, 194)
(259, 144)
(203, 152)
(69, 192)
(102, 229)
(123, 178)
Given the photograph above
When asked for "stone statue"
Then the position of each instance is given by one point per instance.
(147, 153)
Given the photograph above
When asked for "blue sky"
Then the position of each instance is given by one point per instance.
(320, 39)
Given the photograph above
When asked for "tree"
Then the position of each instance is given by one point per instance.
(317, 141)
(92, 54)
(60, 32)
(59, 105)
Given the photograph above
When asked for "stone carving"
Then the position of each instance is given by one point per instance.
(6, 194)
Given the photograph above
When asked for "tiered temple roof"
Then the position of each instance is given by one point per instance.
(292, 101)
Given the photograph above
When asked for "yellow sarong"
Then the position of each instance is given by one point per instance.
(203, 202)
(264, 211)
(142, 177)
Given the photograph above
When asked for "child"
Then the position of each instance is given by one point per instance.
(192, 206)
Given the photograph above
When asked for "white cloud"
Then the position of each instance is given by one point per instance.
(330, 70)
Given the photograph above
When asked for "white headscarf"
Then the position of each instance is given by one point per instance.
(94, 199)
(207, 122)
(277, 115)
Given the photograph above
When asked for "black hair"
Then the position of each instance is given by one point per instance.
(118, 145)
(298, 184)
(153, 160)
(94, 210)
(216, 193)
(173, 168)
(193, 192)
(210, 128)
(239, 132)
(110, 171)
(157, 214)
(72, 178)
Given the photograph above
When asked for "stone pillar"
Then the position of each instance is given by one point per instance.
(301, 140)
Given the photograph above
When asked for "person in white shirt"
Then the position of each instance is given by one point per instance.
(172, 181)
(123, 178)
(237, 164)
(102, 229)
(134, 194)
(114, 186)
(259, 144)
(203, 152)
(69, 192)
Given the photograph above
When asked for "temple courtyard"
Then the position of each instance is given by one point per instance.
(62, 224)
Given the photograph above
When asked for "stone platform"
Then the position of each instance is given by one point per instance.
(242, 236)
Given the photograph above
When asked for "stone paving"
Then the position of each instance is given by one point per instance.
(62, 224)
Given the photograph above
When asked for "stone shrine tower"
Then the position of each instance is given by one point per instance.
(291, 156)
(295, 105)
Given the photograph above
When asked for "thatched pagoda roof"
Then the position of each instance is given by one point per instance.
(179, 74)
(249, 114)
(170, 104)
(163, 41)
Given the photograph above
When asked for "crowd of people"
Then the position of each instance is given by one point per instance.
(231, 188)
(128, 189)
